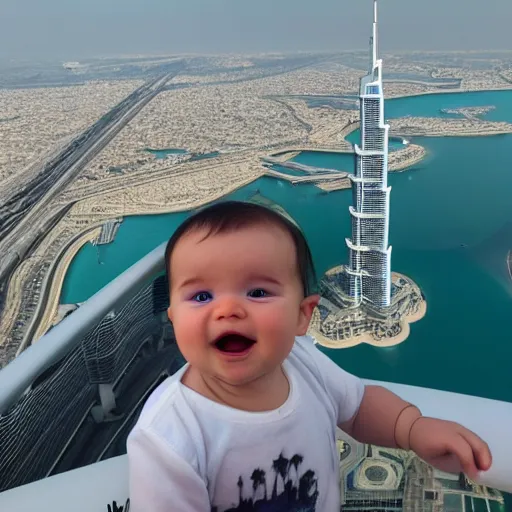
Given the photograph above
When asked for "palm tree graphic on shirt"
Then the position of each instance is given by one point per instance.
(291, 490)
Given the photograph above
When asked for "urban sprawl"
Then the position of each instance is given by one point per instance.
(76, 159)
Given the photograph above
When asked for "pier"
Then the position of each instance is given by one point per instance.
(108, 231)
(309, 169)
(310, 178)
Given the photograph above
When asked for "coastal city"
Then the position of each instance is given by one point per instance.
(226, 124)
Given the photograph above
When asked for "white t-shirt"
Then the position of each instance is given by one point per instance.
(190, 454)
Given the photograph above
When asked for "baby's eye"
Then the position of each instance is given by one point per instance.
(202, 297)
(258, 293)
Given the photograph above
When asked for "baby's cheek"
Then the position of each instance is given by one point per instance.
(190, 334)
(276, 321)
(187, 321)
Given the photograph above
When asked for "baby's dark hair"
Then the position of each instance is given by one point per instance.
(229, 216)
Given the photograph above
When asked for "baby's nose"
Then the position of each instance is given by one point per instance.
(229, 307)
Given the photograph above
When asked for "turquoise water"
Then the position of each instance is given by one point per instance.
(451, 228)
(340, 161)
(141, 234)
(160, 154)
(287, 170)
(463, 343)
(164, 153)
(429, 105)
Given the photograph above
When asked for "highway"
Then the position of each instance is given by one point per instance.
(66, 165)
(23, 213)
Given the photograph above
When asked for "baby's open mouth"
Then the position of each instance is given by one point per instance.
(234, 343)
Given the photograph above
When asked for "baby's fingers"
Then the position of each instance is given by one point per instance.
(462, 449)
(481, 452)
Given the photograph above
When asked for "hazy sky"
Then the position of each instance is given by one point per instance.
(77, 28)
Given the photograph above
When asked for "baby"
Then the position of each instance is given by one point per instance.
(249, 423)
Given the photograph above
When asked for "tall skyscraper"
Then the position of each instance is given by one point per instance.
(368, 273)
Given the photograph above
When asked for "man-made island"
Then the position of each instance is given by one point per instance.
(472, 113)
(338, 323)
(445, 127)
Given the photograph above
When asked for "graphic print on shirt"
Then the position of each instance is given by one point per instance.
(292, 490)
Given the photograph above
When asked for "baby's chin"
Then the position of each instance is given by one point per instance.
(243, 375)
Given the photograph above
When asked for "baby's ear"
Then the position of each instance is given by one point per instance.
(169, 313)
(307, 307)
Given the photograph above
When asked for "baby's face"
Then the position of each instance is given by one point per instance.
(237, 301)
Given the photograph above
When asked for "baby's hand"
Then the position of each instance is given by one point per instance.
(449, 447)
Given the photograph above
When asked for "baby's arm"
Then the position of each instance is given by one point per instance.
(386, 420)
(160, 479)
(376, 419)
(375, 415)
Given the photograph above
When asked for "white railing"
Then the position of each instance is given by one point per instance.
(19, 375)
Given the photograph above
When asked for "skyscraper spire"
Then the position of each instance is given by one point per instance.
(375, 35)
(362, 302)
(369, 270)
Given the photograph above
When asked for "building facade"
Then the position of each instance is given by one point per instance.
(368, 273)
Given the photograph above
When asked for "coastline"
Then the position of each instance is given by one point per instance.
(56, 275)
(67, 255)
(56, 285)
(289, 153)
(418, 155)
(454, 91)
(480, 133)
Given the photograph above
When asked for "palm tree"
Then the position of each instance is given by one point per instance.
(258, 478)
(280, 466)
(276, 471)
(307, 481)
(283, 467)
(296, 461)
